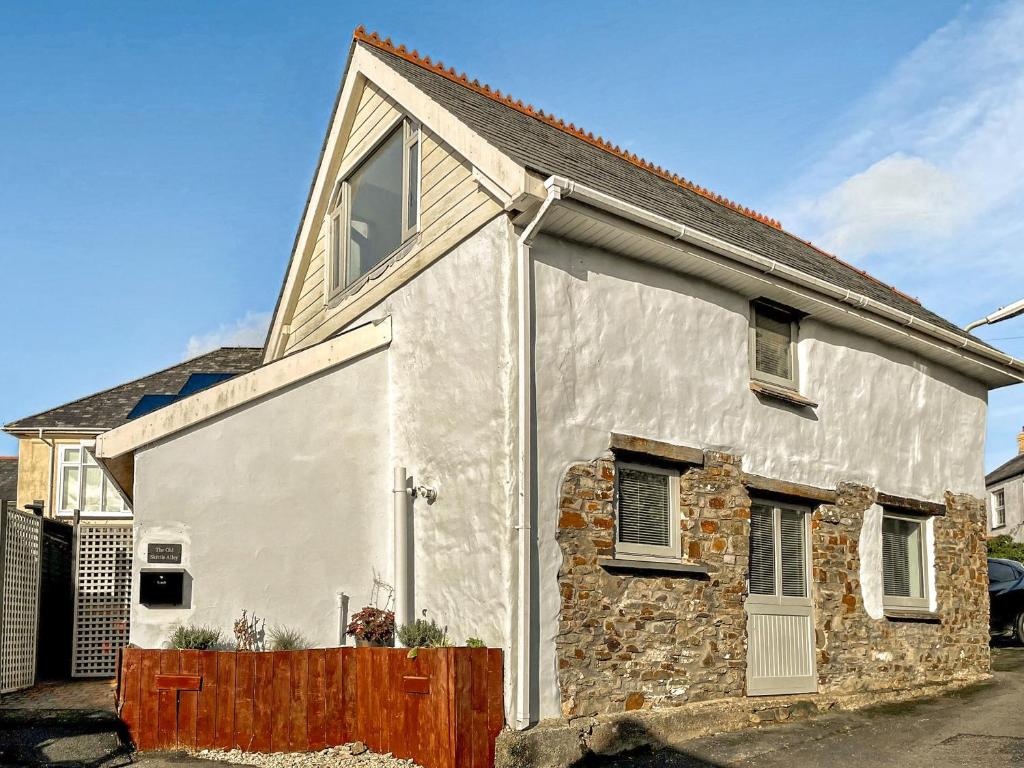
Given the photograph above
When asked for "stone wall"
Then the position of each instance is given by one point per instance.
(857, 653)
(641, 640)
(637, 641)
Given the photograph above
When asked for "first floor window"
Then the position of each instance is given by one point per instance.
(647, 511)
(83, 486)
(375, 208)
(999, 509)
(773, 336)
(904, 562)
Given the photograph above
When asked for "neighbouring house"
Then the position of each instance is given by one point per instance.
(1005, 487)
(8, 480)
(643, 439)
(58, 475)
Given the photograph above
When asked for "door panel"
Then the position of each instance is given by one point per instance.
(780, 622)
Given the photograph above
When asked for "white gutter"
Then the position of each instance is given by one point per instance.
(1008, 363)
(524, 293)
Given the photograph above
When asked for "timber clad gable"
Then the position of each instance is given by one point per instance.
(452, 204)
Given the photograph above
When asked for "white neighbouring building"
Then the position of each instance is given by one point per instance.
(670, 442)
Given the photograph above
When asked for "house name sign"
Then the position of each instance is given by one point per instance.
(163, 553)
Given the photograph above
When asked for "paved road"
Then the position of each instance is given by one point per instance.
(982, 725)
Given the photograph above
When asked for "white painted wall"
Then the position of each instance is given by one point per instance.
(278, 506)
(627, 347)
(451, 379)
(281, 504)
(1014, 491)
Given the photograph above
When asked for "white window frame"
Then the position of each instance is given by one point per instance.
(778, 598)
(896, 602)
(651, 552)
(793, 382)
(339, 207)
(105, 484)
(998, 509)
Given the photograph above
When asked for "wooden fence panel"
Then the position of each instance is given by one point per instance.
(188, 702)
(442, 708)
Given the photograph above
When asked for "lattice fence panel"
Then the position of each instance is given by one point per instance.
(19, 539)
(103, 562)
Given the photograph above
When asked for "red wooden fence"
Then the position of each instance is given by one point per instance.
(443, 708)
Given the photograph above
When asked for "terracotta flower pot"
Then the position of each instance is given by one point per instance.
(361, 643)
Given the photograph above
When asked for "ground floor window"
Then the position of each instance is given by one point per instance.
(647, 511)
(778, 551)
(904, 562)
(83, 486)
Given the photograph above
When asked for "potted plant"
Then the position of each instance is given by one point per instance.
(373, 627)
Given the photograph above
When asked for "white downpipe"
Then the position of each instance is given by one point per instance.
(770, 266)
(400, 510)
(524, 293)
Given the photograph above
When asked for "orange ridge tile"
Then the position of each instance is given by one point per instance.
(385, 44)
(413, 56)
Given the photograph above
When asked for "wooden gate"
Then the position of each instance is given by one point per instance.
(443, 708)
(20, 539)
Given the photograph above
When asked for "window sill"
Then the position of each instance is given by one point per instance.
(781, 393)
(912, 614)
(660, 566)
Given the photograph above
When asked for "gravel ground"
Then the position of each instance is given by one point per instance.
(346, 756)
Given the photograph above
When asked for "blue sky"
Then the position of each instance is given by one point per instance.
(157, 155)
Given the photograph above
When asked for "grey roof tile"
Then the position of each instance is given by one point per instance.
(8, 478)
(548, 150)
(1012, 468)
(110, 408)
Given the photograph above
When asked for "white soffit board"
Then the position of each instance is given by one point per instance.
(228, 395)
(588, 226)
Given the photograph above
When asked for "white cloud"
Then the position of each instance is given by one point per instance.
(927, 172)
(923, 183)
(248, 331)
(899, 199)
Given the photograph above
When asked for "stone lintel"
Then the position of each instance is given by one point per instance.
(911, 505)
(631, 444)
(789, 490)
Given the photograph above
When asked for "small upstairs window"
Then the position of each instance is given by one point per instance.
(999, 509)
(904, 562)
(647, 511)
(375, 208)
(773, 344)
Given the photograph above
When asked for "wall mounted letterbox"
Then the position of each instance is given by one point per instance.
(164, 588)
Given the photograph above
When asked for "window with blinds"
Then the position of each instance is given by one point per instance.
(778, 551)
(762, 551)
(903, 562)
(647, 511)
(773, 344)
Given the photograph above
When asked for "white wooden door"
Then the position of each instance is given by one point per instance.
(780, 620)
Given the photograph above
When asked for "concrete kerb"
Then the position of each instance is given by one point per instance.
(563, 744)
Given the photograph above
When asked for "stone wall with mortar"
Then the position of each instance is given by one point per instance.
(647, 640)
(857, 653)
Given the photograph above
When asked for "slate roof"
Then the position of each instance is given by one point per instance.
(110, 408)
(8, 478)
(1012, 468)
(548, 146)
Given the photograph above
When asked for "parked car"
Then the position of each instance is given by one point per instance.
(1006, 598)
